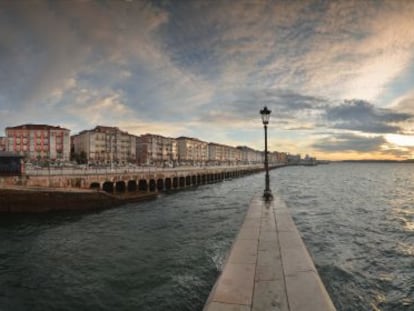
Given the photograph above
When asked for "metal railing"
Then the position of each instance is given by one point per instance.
(56, 171)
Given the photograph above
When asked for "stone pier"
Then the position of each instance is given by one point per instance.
(268, 267)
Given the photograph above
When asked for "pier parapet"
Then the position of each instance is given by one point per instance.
(143, 179)
(268, 267)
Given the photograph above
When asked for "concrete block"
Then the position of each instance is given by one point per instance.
(249, 234)
(218, 306)
(244, 251)
(285, 222)
(236, 284)
(306, 292)
(270, 272)
(270, 296)
(268, 236)
(268, 244)
(251, 223)
(296, 260)
(253, 214)
(268, 257)
(290, 239)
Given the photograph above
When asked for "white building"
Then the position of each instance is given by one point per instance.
(106, 145)
(192, 151)
(156, 150)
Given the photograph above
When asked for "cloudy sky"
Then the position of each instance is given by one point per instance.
(337, 75)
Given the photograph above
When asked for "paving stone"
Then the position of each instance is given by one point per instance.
(270, 296)
(267, 257)
(251, 222)
(268, 244)
(218, 306)
(285, 222)
(249, 233)
(295, 260)
(270, 272)
(306, 292)
(236, 284)
(244, 251)
(290, 239)
(268, 236)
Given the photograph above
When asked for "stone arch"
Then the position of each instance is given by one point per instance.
(142, 185)
(160, 184)
(152, 185)
(182, 182)
(132, 186)
(167, 183)
(120, 186)
(95, 185)
(108, 186)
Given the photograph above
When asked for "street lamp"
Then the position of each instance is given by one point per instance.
(267, 195)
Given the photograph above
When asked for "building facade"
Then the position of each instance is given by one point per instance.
(105, 145)
(250, 156)
(156, 150)
(39, 142)
(217, 153)
(192, 151)
(3, 143)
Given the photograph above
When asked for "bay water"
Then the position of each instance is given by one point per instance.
(357, 221)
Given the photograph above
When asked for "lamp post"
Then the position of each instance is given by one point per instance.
(267, 195)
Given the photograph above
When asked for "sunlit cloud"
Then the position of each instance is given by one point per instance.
(400, 140)
(205, 70)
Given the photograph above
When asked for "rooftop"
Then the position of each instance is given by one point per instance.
(30, 126)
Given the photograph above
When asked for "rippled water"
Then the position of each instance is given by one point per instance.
(358, 222)
(356, 219)
(158, 255)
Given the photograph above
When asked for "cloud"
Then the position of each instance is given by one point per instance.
(45, 44)
(359, 115)
(192, 65)
(349, 142)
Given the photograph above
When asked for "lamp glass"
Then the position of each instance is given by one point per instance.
(265, 115)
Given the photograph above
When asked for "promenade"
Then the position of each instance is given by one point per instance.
(269, 267)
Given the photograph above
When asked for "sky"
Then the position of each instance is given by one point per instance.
(338, 76)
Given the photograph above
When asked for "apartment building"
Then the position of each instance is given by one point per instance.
(250, 156)
(192, 151)
(3, 143)
(156, 150)
(105, 145)
(216, 153)
(39, 141)
(223, 154)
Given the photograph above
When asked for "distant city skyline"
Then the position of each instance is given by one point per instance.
(337, 75)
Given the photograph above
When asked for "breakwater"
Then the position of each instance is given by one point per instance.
(40, 200)
(269, 267)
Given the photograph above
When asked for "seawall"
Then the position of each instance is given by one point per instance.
(40, 200)
(268, 267)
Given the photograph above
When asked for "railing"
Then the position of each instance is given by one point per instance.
(139, 170)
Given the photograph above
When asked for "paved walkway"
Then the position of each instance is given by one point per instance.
(269, 267)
